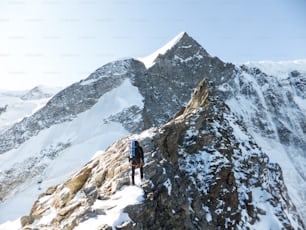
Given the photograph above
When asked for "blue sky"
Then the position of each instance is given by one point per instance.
(58, 42)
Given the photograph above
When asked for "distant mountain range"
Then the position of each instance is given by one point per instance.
(15, 105)
(225, 145)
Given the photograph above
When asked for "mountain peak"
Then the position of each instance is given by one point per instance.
(149, 60)
(182, 40)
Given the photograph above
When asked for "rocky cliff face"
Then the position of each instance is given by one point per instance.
(273, 110)
(203, 171)
(169, 83)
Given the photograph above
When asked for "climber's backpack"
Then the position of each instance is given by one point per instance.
(133, 152)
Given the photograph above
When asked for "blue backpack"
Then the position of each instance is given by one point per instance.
(133, 152)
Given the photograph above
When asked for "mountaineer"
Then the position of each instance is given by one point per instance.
(136, 159)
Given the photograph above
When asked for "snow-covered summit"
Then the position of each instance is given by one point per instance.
(180, 42)
(149, 60)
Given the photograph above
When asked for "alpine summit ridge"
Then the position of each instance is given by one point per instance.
(207, 127)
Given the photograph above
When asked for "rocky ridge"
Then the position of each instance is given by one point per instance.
(199, 175)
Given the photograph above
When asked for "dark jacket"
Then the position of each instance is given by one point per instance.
(138, 160)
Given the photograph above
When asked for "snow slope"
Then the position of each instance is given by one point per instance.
(149, 60)
(81, 139)
(127, 196)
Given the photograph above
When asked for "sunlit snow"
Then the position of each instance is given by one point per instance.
(149, 60)
(114, 216)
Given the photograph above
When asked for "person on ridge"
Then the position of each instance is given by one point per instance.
(136, 159)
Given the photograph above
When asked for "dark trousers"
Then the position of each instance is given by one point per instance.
(133, 173)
